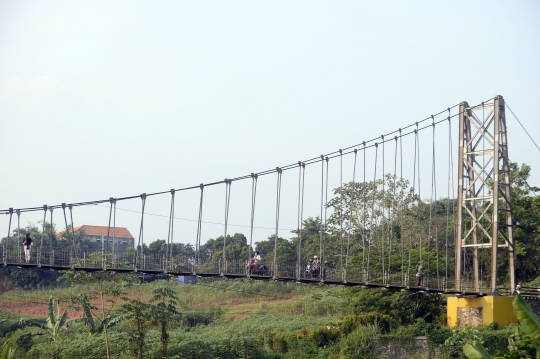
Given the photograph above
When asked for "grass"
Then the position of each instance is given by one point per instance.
(237, 299)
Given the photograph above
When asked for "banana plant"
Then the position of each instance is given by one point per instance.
(7, 351)
(82, 302)
(529, 335)
(54, 323)
(530, 323)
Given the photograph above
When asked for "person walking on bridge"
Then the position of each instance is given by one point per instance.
(419, 276)
(27, 242)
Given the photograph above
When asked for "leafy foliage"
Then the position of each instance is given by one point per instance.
(524, 343)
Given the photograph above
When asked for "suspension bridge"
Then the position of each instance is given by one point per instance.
(376, 231)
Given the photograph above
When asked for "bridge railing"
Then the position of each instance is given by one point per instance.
(69, 257)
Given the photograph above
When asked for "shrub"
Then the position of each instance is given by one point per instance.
(382, 321)
(358, 344)
(454, 345)
(323, 336)
(495, 340)
(401, 306)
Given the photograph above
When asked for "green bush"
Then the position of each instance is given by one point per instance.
(454, 345)
(357, 345)
(323, 336)
(496, 340)
(402, 307)
(382, 321)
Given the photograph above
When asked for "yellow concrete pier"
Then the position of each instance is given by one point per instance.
(481, 311)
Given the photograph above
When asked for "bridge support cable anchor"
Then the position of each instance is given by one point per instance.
(321, 229)
(278, 204)
(432, 197)
(140, 244)
(254, 178)
(170, 233)
(227, 204)
(197, 260)
(112, 201)
(42, 235)
(372, 214)
(67, 236)
(402, 200)
(351, 217)
(114, 253)
(450, 170)
(392, 211)
(19, 260)
(412, 229)
(324, 205)
(341, 211)
(383, 234)
(6, 247)
(301, 182)
(364, 201)
(417, 133)
(51, 237)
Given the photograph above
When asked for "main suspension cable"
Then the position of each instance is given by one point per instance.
(347, 150)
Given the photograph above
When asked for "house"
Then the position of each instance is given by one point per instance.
(118, 236)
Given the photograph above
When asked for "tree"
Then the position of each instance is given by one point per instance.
(286, 250)
(107, 287)
(526, 229)
(311, 228)
(54, 323)
(526, 216)
(374, 220)
(139, 315)
(164, 309)
(235, 248)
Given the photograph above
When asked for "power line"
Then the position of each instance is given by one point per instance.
(193, 220)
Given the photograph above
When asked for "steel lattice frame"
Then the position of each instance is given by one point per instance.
(484, 205)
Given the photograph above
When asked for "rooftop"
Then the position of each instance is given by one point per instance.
(118, 232)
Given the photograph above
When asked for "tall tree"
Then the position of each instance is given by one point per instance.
(107, 286)
(164, 310)
(139, 315)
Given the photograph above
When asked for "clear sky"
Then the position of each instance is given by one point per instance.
(106, 99)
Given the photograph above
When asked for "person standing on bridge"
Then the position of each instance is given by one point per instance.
(27, 242)
(419, 276)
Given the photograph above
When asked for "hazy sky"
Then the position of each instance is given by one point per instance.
(106, 99)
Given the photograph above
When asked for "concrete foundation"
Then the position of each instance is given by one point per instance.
(481, 311)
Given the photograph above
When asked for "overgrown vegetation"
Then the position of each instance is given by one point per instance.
(238, 319)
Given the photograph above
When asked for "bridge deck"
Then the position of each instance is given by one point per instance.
(91, 261)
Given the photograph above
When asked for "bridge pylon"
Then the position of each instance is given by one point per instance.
(484, 203)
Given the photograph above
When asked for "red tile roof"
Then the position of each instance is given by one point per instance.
(120, 232)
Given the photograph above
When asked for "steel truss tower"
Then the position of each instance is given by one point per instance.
(484, 205)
